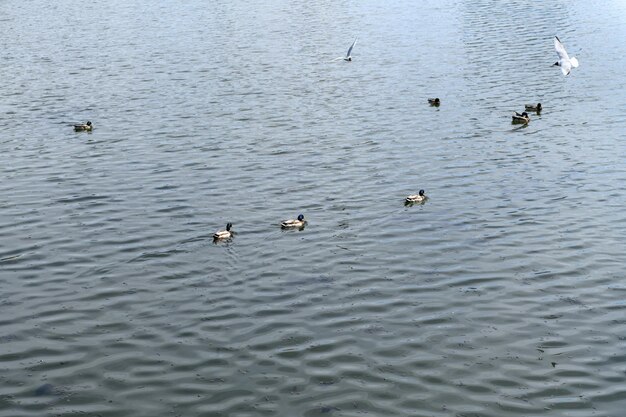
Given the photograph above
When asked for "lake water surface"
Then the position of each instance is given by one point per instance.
(502, 296)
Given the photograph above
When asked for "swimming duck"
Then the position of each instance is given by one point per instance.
(416, 198)
(434, 101)
(224, 234)
(532, 107)
(521, 118)
(299, 222)
(85, 127)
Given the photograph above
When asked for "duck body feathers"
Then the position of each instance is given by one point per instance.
(416, 198)
(533, 107)
(521, 118)
(293, 223)
(84, 127)
(224, 234)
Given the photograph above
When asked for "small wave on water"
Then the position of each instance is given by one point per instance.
(500, 296)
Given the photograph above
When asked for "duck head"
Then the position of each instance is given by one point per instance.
(88, 123)
(229, 226)
(538, 106)
(300, 217)
(421, 193)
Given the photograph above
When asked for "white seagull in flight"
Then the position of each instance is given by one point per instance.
(348, 56)
(565, 62)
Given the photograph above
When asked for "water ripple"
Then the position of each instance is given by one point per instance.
(500, 296)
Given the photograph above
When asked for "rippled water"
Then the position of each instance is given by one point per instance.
(501, 296)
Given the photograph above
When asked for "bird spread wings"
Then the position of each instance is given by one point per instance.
(560, 49)
(350, 50)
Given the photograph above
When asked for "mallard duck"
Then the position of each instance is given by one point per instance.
(86, 127)
(434, 101)
(565, 62)
(532, 107)
(416, 198)
(521, 118)
(299, 222)
(224, 234)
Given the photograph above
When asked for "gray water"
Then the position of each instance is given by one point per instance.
(503, 295)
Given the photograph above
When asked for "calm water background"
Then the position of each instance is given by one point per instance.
(502, 296)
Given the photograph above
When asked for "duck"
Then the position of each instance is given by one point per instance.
(85, 127)
(533, 107)
(299, 222)
(224, 234)
(420, 197)
(521, 118)
(434, 101)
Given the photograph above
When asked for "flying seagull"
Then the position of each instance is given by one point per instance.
(348, 56)
(565, 62)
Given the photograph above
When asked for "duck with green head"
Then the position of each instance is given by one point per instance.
(532, 107)
(293, 223)
(84, 127)
(523, 118)
(224, 234)
(420, 197)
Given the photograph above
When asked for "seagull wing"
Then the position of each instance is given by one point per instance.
(560, 49)
(350, 50)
